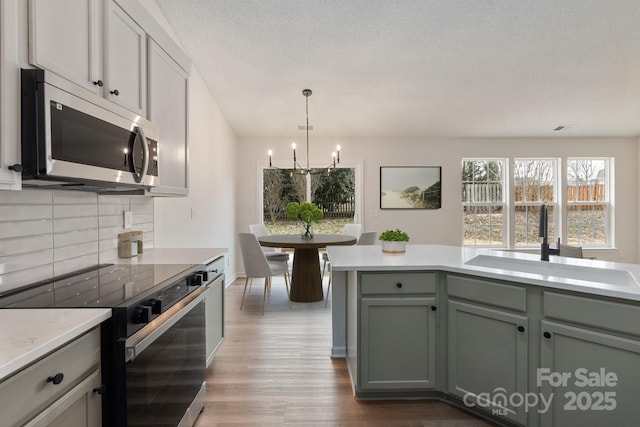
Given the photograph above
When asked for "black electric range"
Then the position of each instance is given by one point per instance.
(156, 310)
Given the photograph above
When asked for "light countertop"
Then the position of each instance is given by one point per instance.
(27, 335)
(454, 259)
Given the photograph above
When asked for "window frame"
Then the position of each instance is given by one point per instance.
(503, 202)
(554, 205)
(559, 213)
(608, 202)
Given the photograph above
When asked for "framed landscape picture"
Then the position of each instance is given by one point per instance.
(410, 187)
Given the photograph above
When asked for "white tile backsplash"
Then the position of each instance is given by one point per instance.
(24, 244)
(14, 229)
(45, 232)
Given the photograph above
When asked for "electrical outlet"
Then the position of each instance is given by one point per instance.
(127, 219)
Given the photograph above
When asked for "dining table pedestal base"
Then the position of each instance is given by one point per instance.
(306, 281)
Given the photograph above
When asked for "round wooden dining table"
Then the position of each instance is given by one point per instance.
(306, 281)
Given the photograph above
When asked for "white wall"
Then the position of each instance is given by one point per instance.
(204, 218)
(444, 226)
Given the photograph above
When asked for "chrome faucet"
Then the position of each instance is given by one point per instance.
(543, 231)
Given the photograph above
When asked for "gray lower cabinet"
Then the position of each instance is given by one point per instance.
(392, 322)
(592, 378)
(80, 407)
(590, 361)
(397, 338)
(62, 389)
(487, 360)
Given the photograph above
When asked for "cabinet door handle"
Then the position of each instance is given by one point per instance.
(399, 285)
(16, 168)
(115, 92)
(547, 335)
(100, 389)
(98, 83)
(434, 308)
(56, 379)
(520, 328)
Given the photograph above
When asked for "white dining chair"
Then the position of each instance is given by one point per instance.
(256, 265)
(366, 238)
(570, 251)
(348, 230)
(259, 230)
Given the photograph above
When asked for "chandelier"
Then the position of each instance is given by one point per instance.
(297, 168)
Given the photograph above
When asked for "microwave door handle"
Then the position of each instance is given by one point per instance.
(145, 155)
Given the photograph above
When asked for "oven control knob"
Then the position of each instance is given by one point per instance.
(194, 280)
(143, 314)
(156, 306)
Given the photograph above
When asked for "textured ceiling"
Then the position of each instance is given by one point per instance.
(415, 69)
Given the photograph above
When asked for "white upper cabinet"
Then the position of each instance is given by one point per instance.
(92, 43)
(9, 94)
(66, 37)
(126, 64)
(168, 109)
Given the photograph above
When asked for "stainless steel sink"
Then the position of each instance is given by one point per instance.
(565, 271)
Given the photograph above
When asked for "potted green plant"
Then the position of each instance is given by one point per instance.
(394, 241)
(307, 213)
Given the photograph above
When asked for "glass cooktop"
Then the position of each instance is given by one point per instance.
(101, 286)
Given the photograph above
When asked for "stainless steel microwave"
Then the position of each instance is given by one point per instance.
(72, 143)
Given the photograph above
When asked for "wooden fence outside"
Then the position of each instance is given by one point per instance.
(330, 209)
(492, 193)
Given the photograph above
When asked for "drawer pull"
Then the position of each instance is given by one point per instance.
(520, 328)
(100, 389)
(434, 308)
(56, 379)
(547, 335)
(98, 83)
(399, 285)
(115, 92)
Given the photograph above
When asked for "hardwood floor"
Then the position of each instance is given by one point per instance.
(276, 371)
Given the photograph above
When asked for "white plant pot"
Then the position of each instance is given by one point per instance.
(394, 247)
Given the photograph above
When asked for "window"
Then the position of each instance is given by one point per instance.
(483, 203)
(579, 202)
(588, 202)
(534, 184)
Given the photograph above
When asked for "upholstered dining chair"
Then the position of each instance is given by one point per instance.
(259, 230)
(256, 265)
(570, 251)
(366, 238)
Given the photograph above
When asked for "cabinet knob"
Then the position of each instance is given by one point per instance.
(98, 83)
(100, 389)
(398, 285)
(547, 335)
(56, 379)
(434, 308)
(115, 92)
(520, 328)
(16, 168)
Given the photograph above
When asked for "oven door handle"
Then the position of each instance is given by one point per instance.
(142, 339)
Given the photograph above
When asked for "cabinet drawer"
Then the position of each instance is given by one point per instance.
(28, 392)
(484, 291)
(614, 316)
(397, 283)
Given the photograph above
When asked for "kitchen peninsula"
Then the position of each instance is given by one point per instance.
(502, 334)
